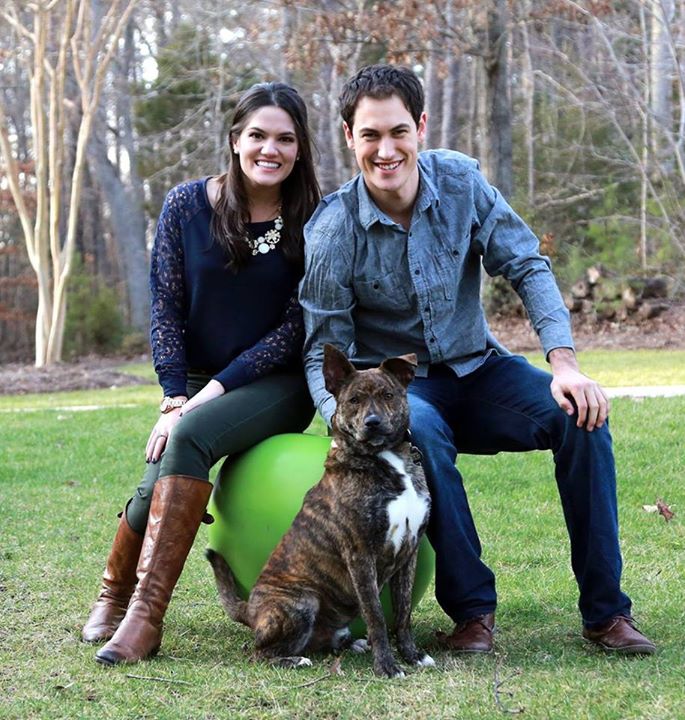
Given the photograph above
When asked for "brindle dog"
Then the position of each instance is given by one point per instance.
(358, 528)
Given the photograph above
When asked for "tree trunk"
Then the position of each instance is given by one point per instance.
(289, 26)
(468, 89)
(450, 105)
(480, 133)
(528, 92)
(127, 218)
(449, 125)
(327, 139)
(498, 99)
(433, 88)
(661, 67)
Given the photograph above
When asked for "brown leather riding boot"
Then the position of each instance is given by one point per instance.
(118, 584)
(178, 506)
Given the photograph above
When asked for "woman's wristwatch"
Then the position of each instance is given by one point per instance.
(171, 403)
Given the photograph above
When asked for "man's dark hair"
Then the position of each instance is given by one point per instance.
(381, 82)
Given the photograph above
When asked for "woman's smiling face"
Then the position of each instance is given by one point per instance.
(267, 147)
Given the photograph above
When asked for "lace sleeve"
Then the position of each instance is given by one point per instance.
(167, 288)
(274, 350)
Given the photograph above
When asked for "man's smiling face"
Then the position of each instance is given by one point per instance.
(385, 140)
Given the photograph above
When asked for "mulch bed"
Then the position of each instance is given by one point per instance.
(664, 331)
(88, 374)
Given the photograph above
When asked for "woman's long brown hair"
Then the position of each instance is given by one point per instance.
(300, 192)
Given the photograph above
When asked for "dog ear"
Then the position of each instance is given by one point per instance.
(336, 368)
(403, 367)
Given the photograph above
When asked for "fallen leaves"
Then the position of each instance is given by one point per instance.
(662, 508)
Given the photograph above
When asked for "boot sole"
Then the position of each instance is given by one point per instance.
(629, 650)
(110, 659)
(95, 639)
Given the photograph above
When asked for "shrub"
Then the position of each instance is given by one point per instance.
(135, 343)
(94, 323)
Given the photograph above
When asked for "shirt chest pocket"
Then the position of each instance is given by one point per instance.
(384, 292)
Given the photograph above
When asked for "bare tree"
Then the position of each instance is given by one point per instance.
(52, 34)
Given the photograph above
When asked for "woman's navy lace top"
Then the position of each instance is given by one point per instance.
(236, 327)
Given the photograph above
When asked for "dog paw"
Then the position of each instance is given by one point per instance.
(360, 646)
(425, 661)
(295, 662)
(341, 639)
(388, 669)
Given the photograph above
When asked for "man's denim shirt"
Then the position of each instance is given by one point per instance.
(376, 290)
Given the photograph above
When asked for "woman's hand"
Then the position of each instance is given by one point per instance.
(167, 421)
(160, 435)
(213, 389)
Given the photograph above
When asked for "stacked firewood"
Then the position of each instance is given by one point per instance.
(602, 295)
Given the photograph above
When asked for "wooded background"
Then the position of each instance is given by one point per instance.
(576, 111)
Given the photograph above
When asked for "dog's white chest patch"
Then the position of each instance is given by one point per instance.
(407, 511)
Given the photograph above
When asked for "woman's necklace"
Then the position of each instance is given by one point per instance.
(268, 241)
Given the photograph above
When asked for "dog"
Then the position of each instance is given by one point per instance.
(359, 527)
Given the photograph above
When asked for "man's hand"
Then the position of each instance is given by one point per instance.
(574, 391)
(213, 389)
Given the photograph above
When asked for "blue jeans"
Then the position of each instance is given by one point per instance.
(506, 405)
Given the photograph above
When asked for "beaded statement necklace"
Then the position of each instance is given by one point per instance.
(268, 241)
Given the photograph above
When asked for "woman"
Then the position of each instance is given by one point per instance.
(226, 336)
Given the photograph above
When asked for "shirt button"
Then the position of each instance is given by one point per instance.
(376, 286)
(432, 340)
(417, 272)
(427, 308)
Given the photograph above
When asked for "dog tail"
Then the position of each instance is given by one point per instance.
(228, 593)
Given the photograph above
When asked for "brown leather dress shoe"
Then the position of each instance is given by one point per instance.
(620, 635)
(471, 636)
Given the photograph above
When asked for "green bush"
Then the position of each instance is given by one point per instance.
(94, 323)
(135, 343)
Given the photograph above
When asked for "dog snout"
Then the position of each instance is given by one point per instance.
(372, 421)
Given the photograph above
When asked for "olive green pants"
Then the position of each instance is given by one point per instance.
(232, 423)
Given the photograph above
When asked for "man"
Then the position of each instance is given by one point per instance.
(393, 264)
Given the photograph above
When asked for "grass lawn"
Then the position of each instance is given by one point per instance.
(619, 368)
(65, 473)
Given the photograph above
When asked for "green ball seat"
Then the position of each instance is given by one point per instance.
(256, 498)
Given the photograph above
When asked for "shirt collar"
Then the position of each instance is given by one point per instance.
(369, 213)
